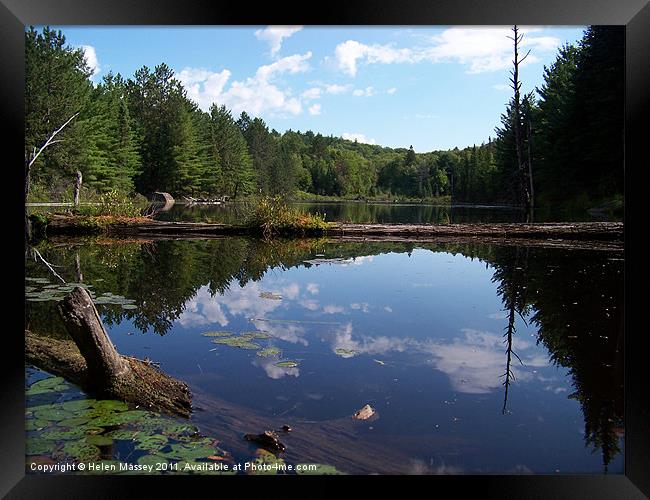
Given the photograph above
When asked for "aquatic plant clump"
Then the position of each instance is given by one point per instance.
(268, 352)
(272, 217)
(41, 290)
(238, 341)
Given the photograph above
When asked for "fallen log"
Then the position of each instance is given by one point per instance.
(593, 231)
(91, 361)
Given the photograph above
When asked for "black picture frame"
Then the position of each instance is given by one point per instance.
(16, 14)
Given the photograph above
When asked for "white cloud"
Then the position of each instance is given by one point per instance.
(310, 304)
(332, 309)
(353, 136)
(364, 306)
(90, 55)
(367, 92)
(312, 93)
(481, 49)
(255, 95)
(337, 89)
(348, 52)
(314, 110)
(203, 86)
(203, 309)
(313, 288)
(274, 36)
(501, 86)
(391, 90)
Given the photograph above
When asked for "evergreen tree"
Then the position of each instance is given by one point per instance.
(231, 151)
(56, 87)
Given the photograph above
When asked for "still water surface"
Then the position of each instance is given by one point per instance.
(388, 213)
(418, 331)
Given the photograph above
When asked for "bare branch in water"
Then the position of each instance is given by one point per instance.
(49, 266)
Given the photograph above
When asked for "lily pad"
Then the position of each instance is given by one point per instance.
(100, 440)
(74, 421)
(189, 452)
(266, 464)
(268, 352)
(124, 434)
(58, 434)
(345, 353)
(34, 424)
(129, 306)
(78, 404)
(256, 335)
(240, 342)
(39, 446)
(81, 451)
(52, 384)
(217, 334)
(175, 429)
(53, 414)
(286, 364)
(270, 296)
(151, 443)
(111, 404)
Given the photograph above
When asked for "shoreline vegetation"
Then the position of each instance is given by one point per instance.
(596, 235)
(270, 217)
(139, 134)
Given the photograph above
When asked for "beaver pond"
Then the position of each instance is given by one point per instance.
(475, 358)
(387, 213)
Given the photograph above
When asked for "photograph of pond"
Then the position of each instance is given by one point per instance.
(324, 250)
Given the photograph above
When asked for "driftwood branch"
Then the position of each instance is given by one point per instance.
(91, 361)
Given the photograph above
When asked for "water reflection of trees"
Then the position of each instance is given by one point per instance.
(573, 297)
(354, 212)
(576, 303)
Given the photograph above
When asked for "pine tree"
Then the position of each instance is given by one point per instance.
(56, 87)
(231, 151)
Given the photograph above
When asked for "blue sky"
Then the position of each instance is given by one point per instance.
(433, 88)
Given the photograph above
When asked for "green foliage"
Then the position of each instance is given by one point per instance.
(577, 126)
(272, 216)
(234, 176)
(145, 134)
(56, 87)
(114, 203)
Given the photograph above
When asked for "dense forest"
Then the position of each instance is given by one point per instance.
(144, 134)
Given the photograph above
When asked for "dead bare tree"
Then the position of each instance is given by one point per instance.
(523, 161)
(31, 158)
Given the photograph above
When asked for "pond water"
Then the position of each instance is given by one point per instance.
(414, 213)
(476, 358)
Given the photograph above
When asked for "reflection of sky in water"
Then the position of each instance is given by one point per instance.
(418, 336)
(380, 307)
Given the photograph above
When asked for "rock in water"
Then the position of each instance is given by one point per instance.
(365, 413)
(267, 440)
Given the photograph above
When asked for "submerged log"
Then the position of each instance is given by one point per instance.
(91, 361)
(584, 231)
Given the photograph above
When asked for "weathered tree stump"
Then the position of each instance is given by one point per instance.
(77, 188)
(92, 361)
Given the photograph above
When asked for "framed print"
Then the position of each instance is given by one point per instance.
(366, 242)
